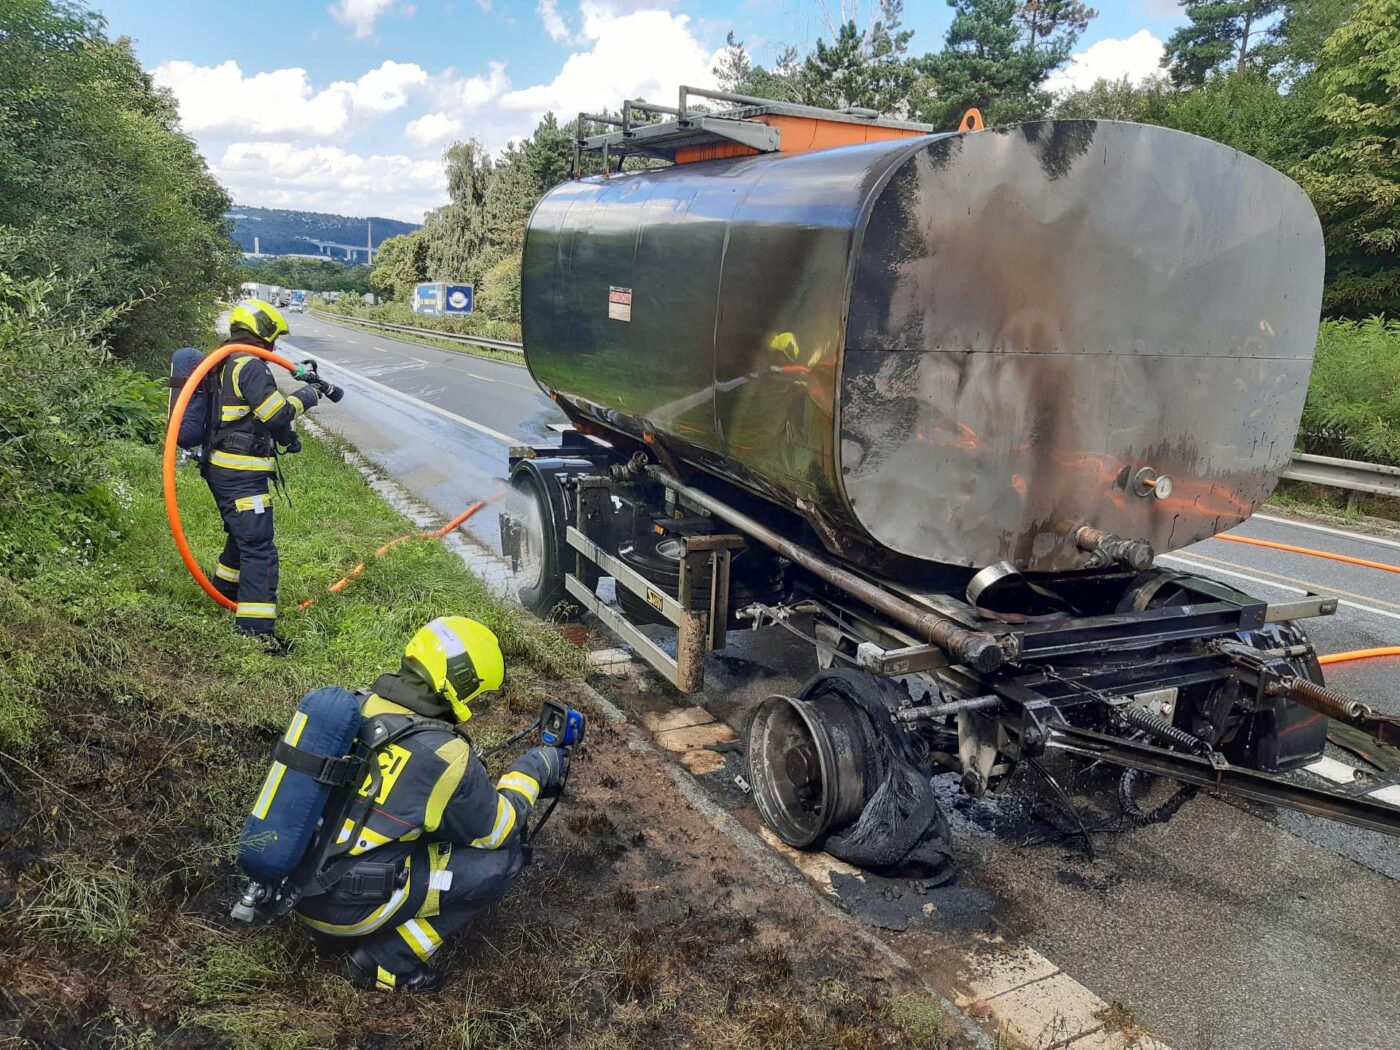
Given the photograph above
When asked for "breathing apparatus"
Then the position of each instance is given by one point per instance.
(315, 784)
(305, 371)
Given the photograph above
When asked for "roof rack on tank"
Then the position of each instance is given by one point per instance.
(748, 125)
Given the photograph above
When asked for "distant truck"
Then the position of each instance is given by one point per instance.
(297, 301)
(254, 290)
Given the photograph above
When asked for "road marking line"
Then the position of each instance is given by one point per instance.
(1389, 795)
(1317, 587)
(480, 428)
(1331, 531)
(1331, 769)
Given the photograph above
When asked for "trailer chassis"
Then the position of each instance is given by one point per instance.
(994, 693)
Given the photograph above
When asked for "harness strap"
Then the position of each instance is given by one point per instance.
(335, 770)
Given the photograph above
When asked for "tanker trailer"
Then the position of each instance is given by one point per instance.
(933, 402)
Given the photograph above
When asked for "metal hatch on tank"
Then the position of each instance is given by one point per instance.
(957, 348)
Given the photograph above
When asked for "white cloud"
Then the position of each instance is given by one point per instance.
(641, 54)
(360, 15)
(327, 178)
(1136, 57)
(431, 128)
(553, 21)
(282, 102)
(385, 89)
(1160, 8)
(453, 92)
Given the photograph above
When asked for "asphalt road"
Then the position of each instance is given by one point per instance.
(1224, 929)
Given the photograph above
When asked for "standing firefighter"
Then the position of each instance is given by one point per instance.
(424, 841)
(251, 419)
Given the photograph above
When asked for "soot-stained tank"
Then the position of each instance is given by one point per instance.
(958, 348)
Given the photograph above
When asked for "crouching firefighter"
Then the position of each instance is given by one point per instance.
(249, 419)
(418, 841)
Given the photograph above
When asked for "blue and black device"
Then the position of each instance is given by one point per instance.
(561, 726)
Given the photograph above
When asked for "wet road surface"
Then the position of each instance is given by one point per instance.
(1221, 930)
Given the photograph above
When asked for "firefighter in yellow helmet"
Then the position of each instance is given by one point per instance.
(250, 420)
(441, 843)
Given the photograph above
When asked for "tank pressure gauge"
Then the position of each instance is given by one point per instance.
(1149, 483)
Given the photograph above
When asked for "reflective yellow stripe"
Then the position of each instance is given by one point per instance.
(232, 412)
(271, 405)
(223, 572)
(257, 610)
(374, 919)
(421, 937)
(456, 754)
(237, 461)
(383, 980)
(505, 824)
(274, 775)
(258, 502)
(238, 367)
(370, 839)
(439, 853)
(522, 783)
(296, 404)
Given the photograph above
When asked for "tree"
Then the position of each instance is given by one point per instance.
(869, 68)
(95, 170)
(1297, 38)
(1220, 33)
(1048, 20)
(400, 263)
(1354, 180)
(994, 59)
(1142, 103)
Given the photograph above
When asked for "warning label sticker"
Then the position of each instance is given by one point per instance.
(620, 303)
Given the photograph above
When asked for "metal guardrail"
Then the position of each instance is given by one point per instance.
(1349, 474)
(451, 337)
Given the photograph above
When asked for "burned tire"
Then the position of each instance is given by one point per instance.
(754, 576)
(539, 572)
(538, 512)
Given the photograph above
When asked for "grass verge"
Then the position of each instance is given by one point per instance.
(135, 726)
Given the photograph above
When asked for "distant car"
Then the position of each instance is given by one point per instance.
(297, 306)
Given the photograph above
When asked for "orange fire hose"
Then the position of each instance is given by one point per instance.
(1330, 658)
(1308, 550)
(434, 534)
(172, 431)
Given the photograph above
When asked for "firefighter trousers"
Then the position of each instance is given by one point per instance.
(247, 568)
(447, 887)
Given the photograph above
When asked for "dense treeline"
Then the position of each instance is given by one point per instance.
(1311, 87)
(112, 241)
(98, 183)
(284, 231)
(315, 275)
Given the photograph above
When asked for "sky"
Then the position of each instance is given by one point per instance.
(347, 106)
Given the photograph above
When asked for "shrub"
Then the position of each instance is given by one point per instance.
(1353, 406)
(61, 400)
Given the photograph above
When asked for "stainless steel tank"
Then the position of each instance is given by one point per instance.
(960, 348)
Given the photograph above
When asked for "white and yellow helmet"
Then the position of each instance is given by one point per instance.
(457, 658)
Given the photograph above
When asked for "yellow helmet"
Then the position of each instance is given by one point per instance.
(259, 318)
(458, 658)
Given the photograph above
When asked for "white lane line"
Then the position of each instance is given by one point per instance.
(1331, 769)
(480, 428)
(1389, 795)
(1208, 569)
(1330, 531)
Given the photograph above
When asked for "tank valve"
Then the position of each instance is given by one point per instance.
(1105, 548)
